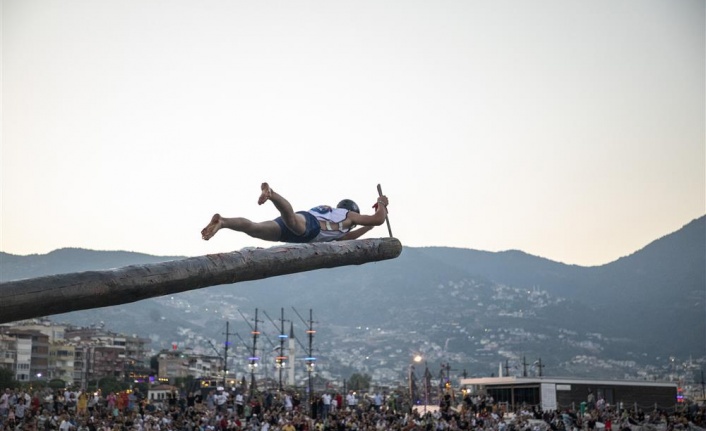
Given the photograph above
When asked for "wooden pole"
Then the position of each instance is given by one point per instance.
(387, 219)
(55, 294)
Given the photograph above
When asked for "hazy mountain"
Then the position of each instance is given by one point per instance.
(468, 307)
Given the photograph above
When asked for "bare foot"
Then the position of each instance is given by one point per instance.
(266, 193)
(213, 227)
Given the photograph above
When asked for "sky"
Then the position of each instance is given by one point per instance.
(571, 130)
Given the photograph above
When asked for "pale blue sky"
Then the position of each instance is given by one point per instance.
(572, 130)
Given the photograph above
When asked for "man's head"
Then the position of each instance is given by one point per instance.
(349, 205)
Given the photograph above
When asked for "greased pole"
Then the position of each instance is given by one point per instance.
(387, 220)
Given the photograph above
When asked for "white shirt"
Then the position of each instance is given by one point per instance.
(221, 398)
(333, 217)
(65, 425)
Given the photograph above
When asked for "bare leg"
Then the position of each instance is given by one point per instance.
(295, 222)
(268, 230)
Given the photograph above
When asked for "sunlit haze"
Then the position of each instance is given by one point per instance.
(571, 130)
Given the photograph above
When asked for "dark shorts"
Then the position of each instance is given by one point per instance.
(312, 229)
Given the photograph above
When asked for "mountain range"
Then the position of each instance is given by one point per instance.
(472, 309)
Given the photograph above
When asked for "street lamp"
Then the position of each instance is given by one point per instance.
(280, 361)
(412, 379)
(253, 368)
(310, 366)
(427, 383)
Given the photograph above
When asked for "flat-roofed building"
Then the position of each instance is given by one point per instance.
(31, 353)
(8, 351)
(551, 393)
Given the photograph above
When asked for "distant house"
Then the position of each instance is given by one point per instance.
(559, 393)
(161, 394)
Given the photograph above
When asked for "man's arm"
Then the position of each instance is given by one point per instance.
(357, 233)
(376, 219)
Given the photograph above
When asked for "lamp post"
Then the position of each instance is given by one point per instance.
(253, 357)
(427, 383)
(310, 362)
(281, 358)
(413, 392)
(411, 377)
(252, 367)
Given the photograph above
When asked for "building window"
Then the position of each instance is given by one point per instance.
(529, 396)
(515, 396)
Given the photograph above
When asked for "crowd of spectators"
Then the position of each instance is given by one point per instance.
(220, 410)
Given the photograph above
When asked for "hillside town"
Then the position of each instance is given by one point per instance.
(59, 370)
(41, 350)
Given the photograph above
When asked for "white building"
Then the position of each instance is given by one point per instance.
(23, 359)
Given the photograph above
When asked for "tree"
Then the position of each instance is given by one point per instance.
(7, 378)
(57, 384)
(106, 385)
(359, 382)
(110, 384)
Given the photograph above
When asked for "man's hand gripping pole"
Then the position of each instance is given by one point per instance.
(387, 220)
